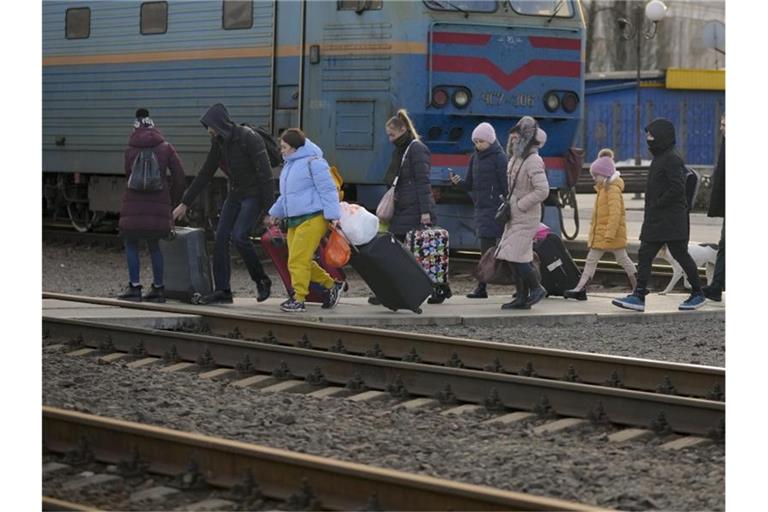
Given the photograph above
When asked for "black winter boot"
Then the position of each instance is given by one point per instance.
(155, 294)
(521, 295)
(479, 293)
(132, 293)
(537, 292)
(264, 288)
(575, 294)
(217, 297)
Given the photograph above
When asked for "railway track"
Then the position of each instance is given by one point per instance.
(273, 474)
(625, 391)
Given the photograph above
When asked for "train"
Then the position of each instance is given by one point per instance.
(337, 69)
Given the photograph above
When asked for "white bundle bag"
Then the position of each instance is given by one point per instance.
(358, 224)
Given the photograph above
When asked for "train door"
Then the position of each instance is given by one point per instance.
(346, 84)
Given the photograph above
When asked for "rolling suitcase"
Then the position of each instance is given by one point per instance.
(429, 246)
(275, 244)
(186, 266)
(392, 273)
(558, 271)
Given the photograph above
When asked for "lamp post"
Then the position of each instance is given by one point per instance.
(655, 10)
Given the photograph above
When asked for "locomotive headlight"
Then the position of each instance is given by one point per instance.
(461, 98)
(551, 101)
(439, 97)
(570, 102)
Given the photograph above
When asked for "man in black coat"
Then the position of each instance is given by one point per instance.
(717, 209)
(665, 219)
(242, 155)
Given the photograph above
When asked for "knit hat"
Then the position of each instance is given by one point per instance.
(603, 166)
(484, 131)
(142, 119)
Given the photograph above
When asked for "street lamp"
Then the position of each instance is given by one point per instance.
(655, 10)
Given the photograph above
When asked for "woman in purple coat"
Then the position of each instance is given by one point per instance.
(146, 215)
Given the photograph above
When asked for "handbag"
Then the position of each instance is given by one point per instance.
(493, 271)
(337, 251)
(504, 211)
(386, 208)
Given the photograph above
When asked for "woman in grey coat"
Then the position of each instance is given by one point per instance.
(529, 187)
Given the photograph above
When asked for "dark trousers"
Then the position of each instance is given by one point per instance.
(238, 217)
(718, 279)
(678, 249)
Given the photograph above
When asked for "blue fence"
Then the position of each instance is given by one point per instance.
(609, 118)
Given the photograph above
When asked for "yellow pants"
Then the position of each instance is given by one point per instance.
(303, 241)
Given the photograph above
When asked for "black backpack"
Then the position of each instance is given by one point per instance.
(145, 173)
(273, 148)
(691, 180)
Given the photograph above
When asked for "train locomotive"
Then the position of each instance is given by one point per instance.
(338, 69)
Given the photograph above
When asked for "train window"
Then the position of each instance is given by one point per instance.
(77, 23)
(237, 14)
(559, 8)
(358, 5)
(462, 5)
(154, 18)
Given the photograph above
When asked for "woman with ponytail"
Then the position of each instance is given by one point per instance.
(408, 172)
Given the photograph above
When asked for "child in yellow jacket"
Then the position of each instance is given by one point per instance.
(608, 231)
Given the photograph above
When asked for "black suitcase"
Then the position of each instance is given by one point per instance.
(558, 271)
(392, 273)
(187, 269)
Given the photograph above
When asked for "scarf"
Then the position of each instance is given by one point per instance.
(401, 143)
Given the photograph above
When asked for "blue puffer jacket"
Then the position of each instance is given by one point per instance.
(306, 185)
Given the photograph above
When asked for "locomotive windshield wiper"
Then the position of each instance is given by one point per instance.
(560, 3)
(442, 4)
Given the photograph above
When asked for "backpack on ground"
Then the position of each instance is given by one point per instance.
(273, 148)
(145, 172)
(692, 181)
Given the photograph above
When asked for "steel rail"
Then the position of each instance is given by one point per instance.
(279, 473)
(621, 406)
(55, 504)
(631, 373)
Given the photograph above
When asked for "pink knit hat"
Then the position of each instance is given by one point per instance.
(603, 166)
(484, 131)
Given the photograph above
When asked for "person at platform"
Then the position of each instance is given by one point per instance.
(608, 230)
(714, 290)
(146, 215)
(309, 202)
(486, 182)
(242, 154)
(665, 218)
(528, 186)
(408, 172)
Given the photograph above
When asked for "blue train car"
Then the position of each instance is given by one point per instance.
(693, 99)
(339, 69)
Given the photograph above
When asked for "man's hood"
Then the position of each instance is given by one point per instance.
(217, 117)
(663, 132)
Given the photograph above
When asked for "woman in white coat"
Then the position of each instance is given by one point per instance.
(529, 187)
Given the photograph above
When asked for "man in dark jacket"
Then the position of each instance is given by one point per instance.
(717, 209)
(242, 155)
(665, 219)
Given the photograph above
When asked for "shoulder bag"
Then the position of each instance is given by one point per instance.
(386, 208)
(504, 212)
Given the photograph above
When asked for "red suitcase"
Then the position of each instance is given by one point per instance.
(275, 244)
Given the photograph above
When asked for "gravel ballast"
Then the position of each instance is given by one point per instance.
(579, 465)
